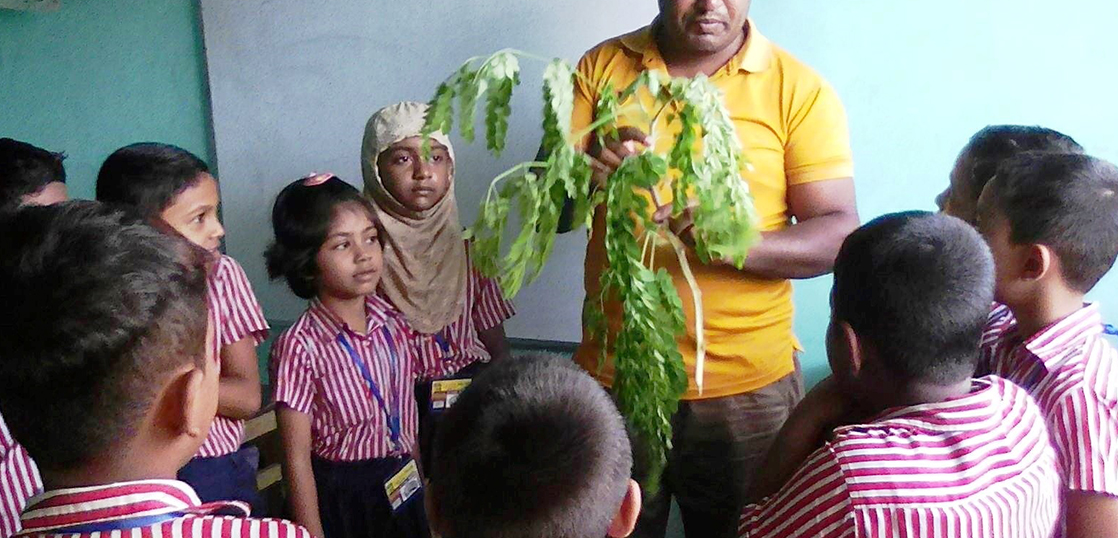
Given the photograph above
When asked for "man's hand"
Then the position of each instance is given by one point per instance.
(683, 225)
(605, 160)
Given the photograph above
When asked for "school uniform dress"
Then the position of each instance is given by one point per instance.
(978, 465)
(358, 390)
(19, 480)
(145, 509)
(466, 357)
(222, 471)
(1072, 372)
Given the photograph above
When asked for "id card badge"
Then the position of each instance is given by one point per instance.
(445, 391)
(403, 485)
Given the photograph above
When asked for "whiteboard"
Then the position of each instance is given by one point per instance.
(293, 82)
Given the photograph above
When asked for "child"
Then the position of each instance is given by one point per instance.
(984, 152)
(171, 186)
(1052, 224)
(107, 375)
(30, 175)
(427, 273)
(927, 450)
(344, 373)
(534, 448)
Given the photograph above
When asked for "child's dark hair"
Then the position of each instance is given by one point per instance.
(988, 148)
(25, 169)
(301, 218)
(1068, 202)
(148, 176)
(99, 308)
(533, 447)
(918, 287)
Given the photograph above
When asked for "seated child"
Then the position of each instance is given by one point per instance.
(980, 158)
(921, 449)
(171, 186)
(1052, 224)
(345, 372)
(534, 448)
(30, 175)
(107, 375)
(427, 272)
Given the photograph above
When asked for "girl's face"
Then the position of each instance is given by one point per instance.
(412, 181)
(349, 261)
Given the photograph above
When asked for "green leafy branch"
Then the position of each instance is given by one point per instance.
(703, 168)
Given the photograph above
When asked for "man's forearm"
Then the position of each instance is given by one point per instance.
(804, 250)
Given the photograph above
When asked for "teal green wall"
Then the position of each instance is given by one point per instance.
(100, 74)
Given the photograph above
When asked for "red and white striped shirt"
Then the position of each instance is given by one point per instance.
(19, 480)
(237, 315)
(145, 509)
(979, 465)
(314, 374)
(486, 307)
(1072, 372)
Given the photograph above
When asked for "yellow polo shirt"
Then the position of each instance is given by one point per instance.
(793, 130)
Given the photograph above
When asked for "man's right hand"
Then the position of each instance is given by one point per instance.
(605, 160)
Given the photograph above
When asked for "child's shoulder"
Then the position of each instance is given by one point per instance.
(240, 527)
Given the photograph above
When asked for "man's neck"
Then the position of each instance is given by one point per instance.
(684, 63)
(351, 310)
(1044, 309)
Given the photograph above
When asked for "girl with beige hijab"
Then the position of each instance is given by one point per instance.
(427, 273)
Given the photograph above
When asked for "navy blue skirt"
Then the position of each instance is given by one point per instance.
(352, 502)
(231, 477)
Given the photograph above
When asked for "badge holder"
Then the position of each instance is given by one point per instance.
(403, 485)
(444, 392)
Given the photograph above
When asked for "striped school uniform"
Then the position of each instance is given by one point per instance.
(1072, 373)
(978, 465)
(145, 509)
(354, 387)
(221, 470)
(19, 480)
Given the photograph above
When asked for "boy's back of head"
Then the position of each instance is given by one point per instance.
(147, 176)
(985, 151)
(26, 170)
(917, 288)
(100, 309)
(1068, 202)
(533, 448)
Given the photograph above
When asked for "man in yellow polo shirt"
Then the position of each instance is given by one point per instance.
(793, 130)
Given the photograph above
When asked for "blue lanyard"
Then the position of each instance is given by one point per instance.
(1109, 329)
(439, 339)
(118, 524)
(393, 418)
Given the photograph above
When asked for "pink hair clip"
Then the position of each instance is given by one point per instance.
(316, 179)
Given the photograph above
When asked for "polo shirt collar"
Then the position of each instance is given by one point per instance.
(1052, 343)
(755, 55)
(330, 326)
(72, 507)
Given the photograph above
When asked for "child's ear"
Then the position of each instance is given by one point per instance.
(184, 406)
(1038, 262)
(855, 351)
(626, 519)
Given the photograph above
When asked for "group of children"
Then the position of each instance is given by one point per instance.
(972, 392)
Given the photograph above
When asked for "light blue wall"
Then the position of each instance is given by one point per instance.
(918, 78)
(97, 75)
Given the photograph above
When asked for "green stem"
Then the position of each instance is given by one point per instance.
(697, 298)
(602, 121)
(508, 173)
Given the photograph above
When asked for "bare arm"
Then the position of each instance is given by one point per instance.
(295, 432)
(495, 342)
(805, 431)
(825, 213)
(239, 396)
(1090, 514)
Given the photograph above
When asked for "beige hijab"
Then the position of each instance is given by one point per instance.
(425, 267)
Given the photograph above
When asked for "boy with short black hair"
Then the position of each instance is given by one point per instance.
(987, 149)
(107, 375)
(1052, 223)
(533, 448)
(30, 175)
(173, 187)
(920, 449)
